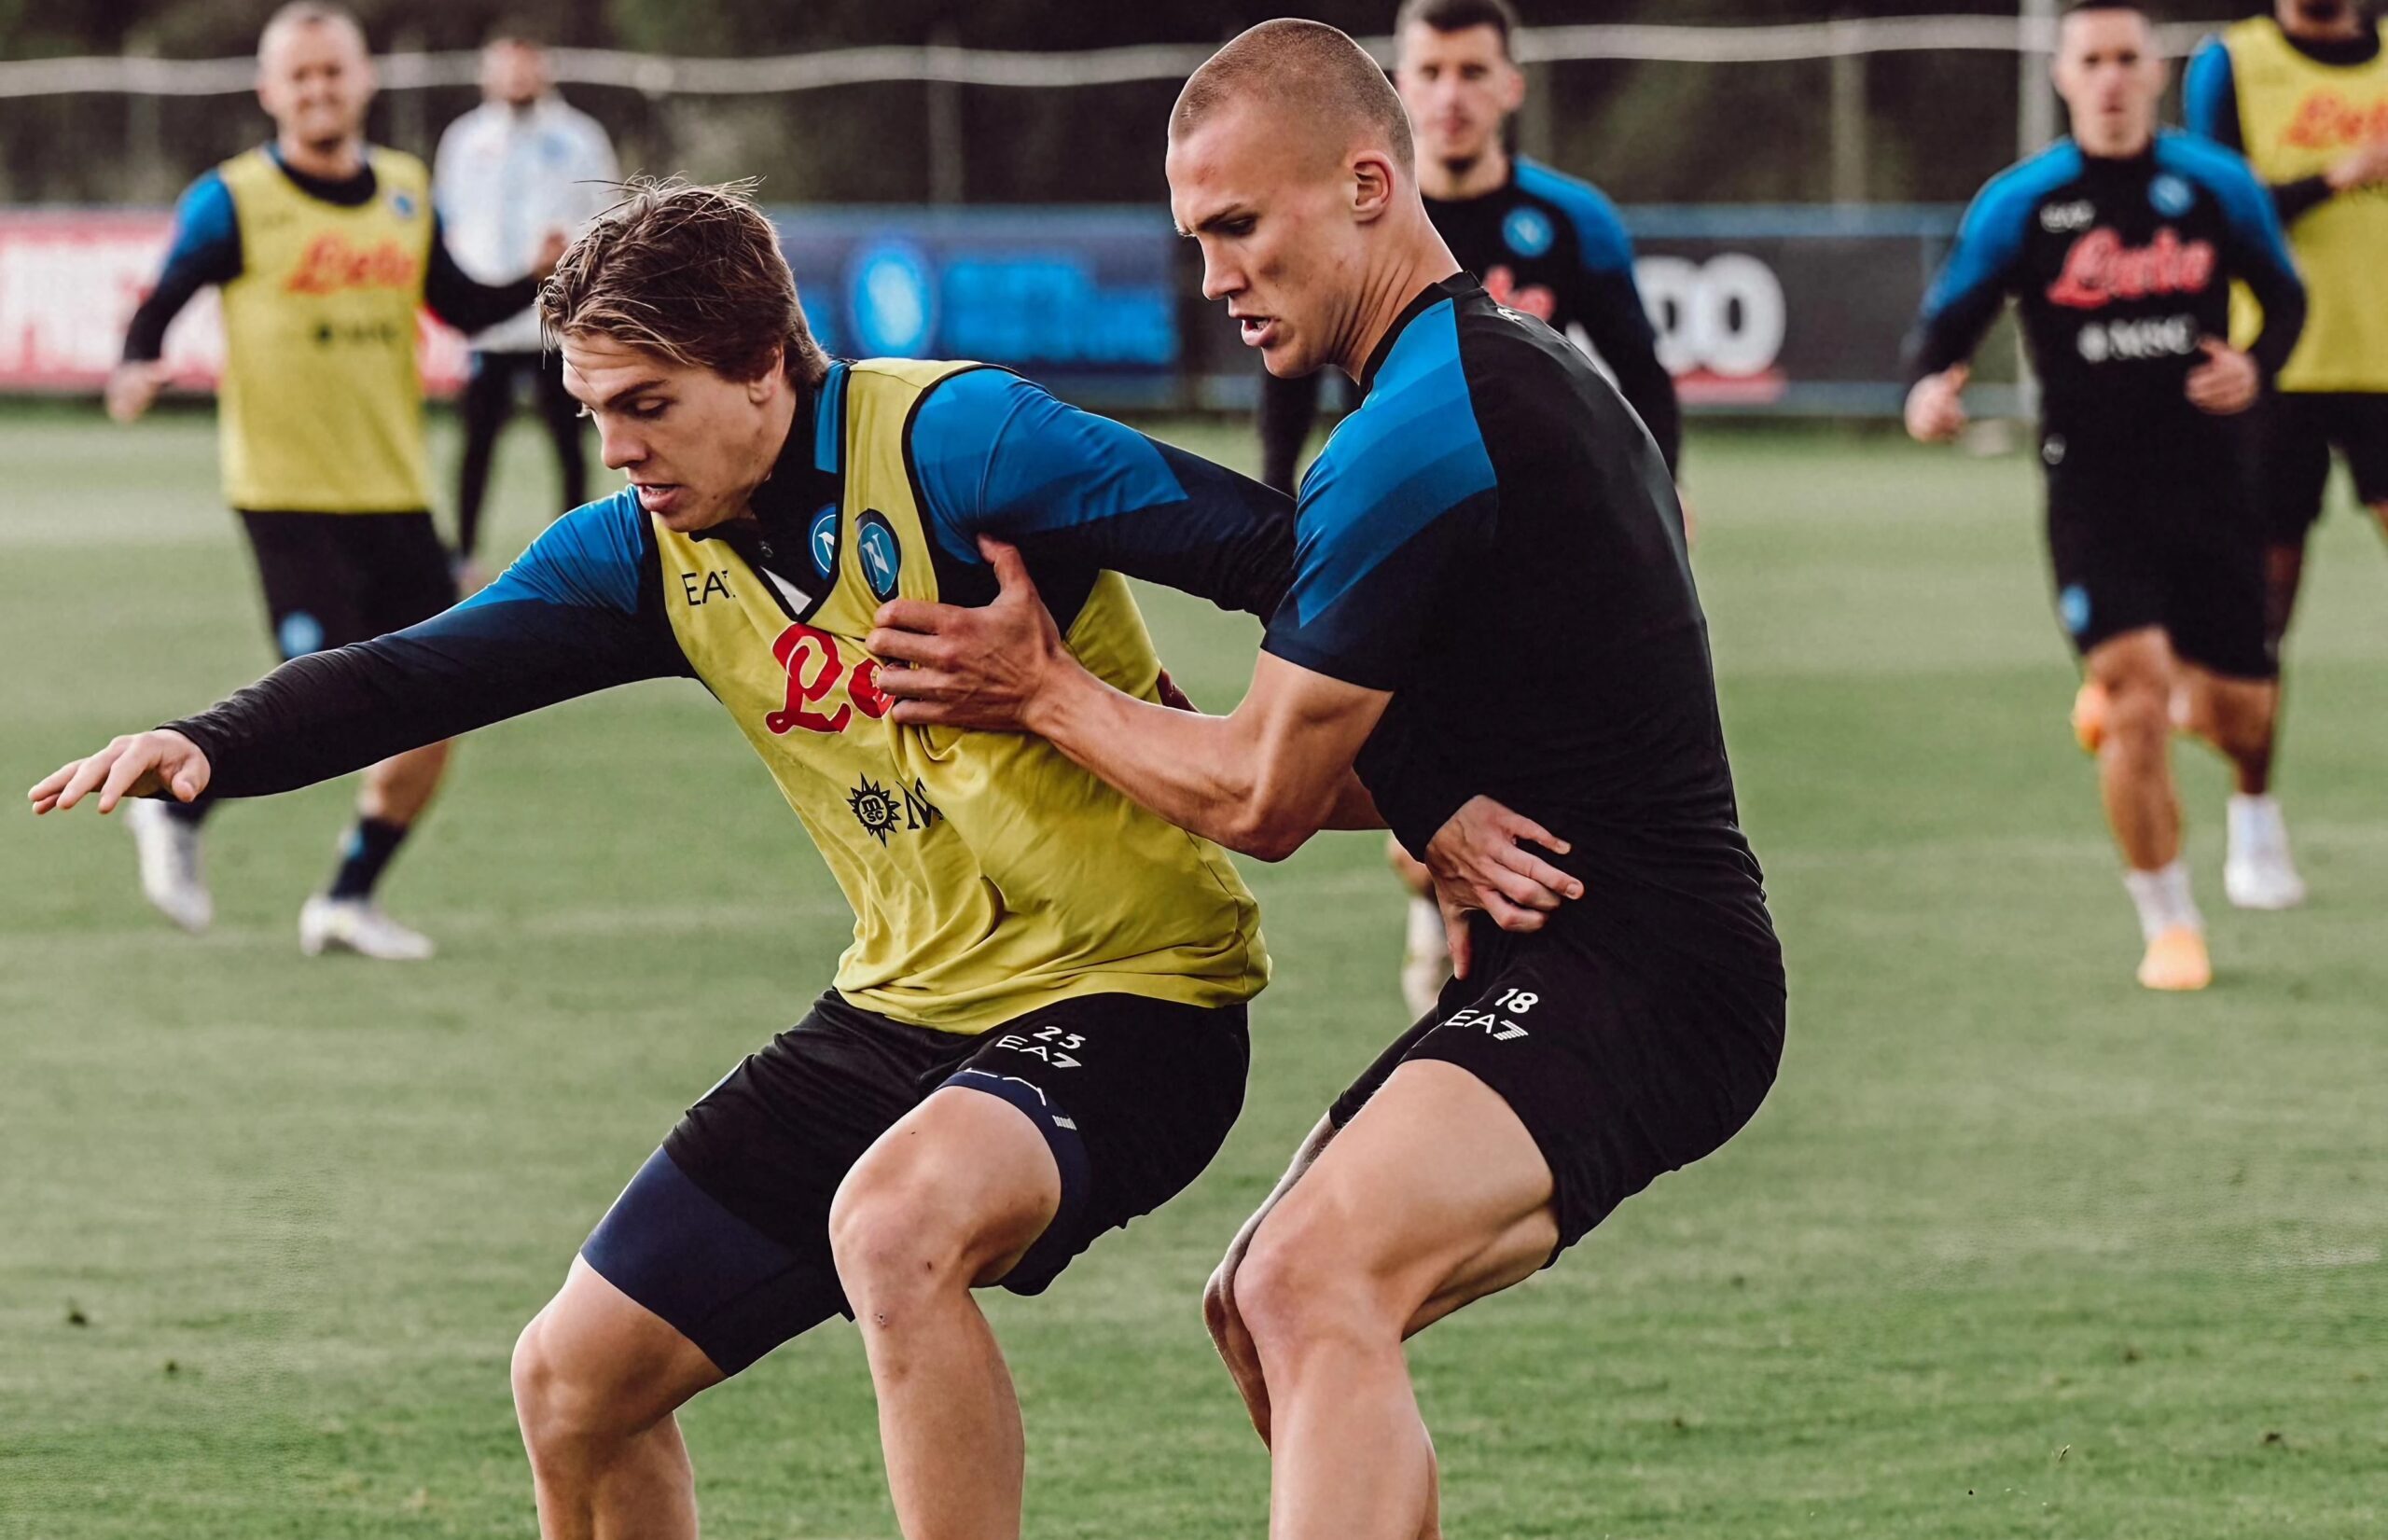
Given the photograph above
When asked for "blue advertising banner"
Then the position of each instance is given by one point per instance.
(1082, 300)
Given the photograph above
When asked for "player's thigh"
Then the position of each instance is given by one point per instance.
(1437, 1192)
(307, 573)
(725, 1232)
(2359, 428)
(2103, 537)
(407, 574)
(1132, 1096)
(595, 1356)
(2217, 602)
(2140, 659)
(2292, 465)
(1620, 1059)
(964, 1180)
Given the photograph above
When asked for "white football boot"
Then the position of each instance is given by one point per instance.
(172, 877)
(357, 924)
(2258, 873)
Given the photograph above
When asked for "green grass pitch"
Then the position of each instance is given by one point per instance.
(2016, 1249)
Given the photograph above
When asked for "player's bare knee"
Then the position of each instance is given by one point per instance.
(556, 1396)
(894, 1240)
(1298, 1288)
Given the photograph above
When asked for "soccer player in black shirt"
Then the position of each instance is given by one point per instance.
(1491, 600)
(1542, 242)
(2120, 245)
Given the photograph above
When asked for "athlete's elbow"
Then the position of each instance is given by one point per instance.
(1266, 833)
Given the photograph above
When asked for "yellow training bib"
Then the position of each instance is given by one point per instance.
(988, 873)
(2298, 117)
(322, 402)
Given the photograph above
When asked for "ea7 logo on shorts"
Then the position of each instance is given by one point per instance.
(1496, 1026)
(1050, 1044)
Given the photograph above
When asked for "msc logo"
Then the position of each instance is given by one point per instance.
(2100, 269)
(2057, 218)
(1528, 231)
(880, 553)
(2155, 336)
(331, 263)
(882, 812)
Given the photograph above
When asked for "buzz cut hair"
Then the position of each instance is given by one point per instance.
(691, 273)
(2083, 7)
(1305, 70)
(1461, 15)
(310, 13)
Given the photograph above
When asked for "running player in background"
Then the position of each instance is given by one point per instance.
(518, 168)
(1542, 243)
(2119, 244)
(2303, 95)
(325, 248)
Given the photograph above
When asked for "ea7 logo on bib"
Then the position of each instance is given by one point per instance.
(880, 553)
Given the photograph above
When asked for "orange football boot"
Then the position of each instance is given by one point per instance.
(2176, 960)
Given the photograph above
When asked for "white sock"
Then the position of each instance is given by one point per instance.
(2163, 900)
(2256, 826)
(1427, 936)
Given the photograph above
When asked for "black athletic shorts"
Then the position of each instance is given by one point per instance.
(333, 578)
(1623, 1061)
(2142, 543)
(725, 1232)
(2300, 430)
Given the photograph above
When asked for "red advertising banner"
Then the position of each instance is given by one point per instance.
(70, 281)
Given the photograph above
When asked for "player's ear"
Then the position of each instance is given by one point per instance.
(1513, 89)
(1373, 183)
(772, 380)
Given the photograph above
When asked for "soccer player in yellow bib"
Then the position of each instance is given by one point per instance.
(1038, 1032)
(324, 249)
(2303, 95)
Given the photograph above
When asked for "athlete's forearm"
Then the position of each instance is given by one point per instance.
(2298, 198)
(2281, 294)
(1621, 329)
(330, 713)
(1212, 775)
(466, 304)
(144, 338)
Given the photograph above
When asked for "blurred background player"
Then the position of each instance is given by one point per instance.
(1542, 243)
(2303, 95)
(2120, 245)
(325, 248)
(517, 169)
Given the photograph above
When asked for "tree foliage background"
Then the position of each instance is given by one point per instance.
(1937, 124)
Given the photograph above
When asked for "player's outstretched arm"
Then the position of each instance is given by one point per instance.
(146, 764)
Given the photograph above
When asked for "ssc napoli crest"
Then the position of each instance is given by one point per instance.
(1528, 231)
(2171, 195)
(2073, 608)
(402, 204)
(879, 552)
(822, 540)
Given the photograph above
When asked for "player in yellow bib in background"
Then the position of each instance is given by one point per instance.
(2303, 95)
(325, 249)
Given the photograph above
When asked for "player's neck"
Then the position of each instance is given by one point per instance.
(2345, 28)
(779, 420)
(1457, 181)
(1410, 264)
(2120, 147)
(334, 162)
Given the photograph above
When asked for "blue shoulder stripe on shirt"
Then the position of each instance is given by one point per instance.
(588, 559)
(1410, 453)
(207, 231)
(997, 454)
(2244, 200)
(1600, 231)
(1991, 235)
(830, 421)
(2208, 90)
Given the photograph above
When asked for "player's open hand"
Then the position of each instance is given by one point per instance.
(1935, 407)
(1480, 862)
(983, 667)
(2226, 383)
(140, 765)
(131, 388)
